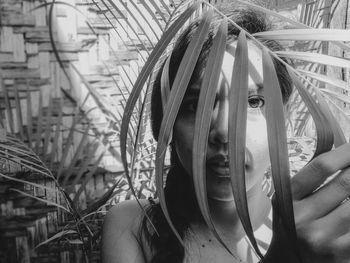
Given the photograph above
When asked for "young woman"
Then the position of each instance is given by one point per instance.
(321, 216)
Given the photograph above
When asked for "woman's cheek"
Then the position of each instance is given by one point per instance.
(257, 142)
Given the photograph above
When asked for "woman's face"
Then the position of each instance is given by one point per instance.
(257, 157)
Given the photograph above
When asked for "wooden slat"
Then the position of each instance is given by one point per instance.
(18, 48)
(18, 109)
(6, 39)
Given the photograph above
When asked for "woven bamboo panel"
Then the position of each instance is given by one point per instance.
(41, 103)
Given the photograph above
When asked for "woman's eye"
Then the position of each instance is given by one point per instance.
(256, 101)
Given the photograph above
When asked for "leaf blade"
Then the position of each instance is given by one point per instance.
(175, 98)
(314, 34)
(237, 135)
(326, 79)
(202, 126)
(316, 58)
(323, 131)
(146, 70)
(278, 150)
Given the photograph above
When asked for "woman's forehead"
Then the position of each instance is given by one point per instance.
(255, 78)
(254, 63)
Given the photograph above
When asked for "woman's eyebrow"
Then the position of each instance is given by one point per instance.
(257, 88)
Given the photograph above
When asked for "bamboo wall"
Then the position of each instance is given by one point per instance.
(43, 103)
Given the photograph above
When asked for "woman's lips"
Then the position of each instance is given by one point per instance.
(219, 165)
(219, 169)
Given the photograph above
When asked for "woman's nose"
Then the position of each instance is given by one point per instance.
(219, 123)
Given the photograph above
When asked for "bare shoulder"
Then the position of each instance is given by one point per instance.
(125, 213)
(120, 242)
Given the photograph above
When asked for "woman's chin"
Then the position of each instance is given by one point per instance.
(221, 198)
(219, 188)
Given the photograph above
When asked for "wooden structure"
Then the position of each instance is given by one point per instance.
(57, 63)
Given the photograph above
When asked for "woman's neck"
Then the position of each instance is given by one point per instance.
(226, 219)
(229, 227)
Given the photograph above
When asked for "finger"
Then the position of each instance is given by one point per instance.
(341, 248)
(320, 233)
(337, 222)
(325, 199)
(318, 170)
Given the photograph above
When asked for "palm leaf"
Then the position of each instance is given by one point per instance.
(339, 138)
(178, 90)
(316, 58)
(278, 149)
(100, 202)
(129, 24)
(323, 130)
(141, 80)
(327, 79)
(121, 26)
(101, 103)
(337, 95)
(68, 144)
(341, 110)
(237, 135)
(306, 34)
(146, 21)
(20, 152)
(165, 84)
(202, 125)
(25, 163)
(84, 167)
(87, 178)
(287, 19)
(165, 6)
(82, 144)
(42, 200)
(131, 14)
(145, 5)
(55, 190)
(57, 236)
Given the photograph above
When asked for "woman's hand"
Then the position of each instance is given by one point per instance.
(322, 214)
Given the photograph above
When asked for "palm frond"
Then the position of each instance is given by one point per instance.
(327, 79)
(324, 134)
(338, 135)
(316, 58)
(142, 78)
(323, 34)
(278, 149)
(42, 200)
(177, 93)
(237, 135)
(202, 126)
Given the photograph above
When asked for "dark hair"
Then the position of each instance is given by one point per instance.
(180, 200)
